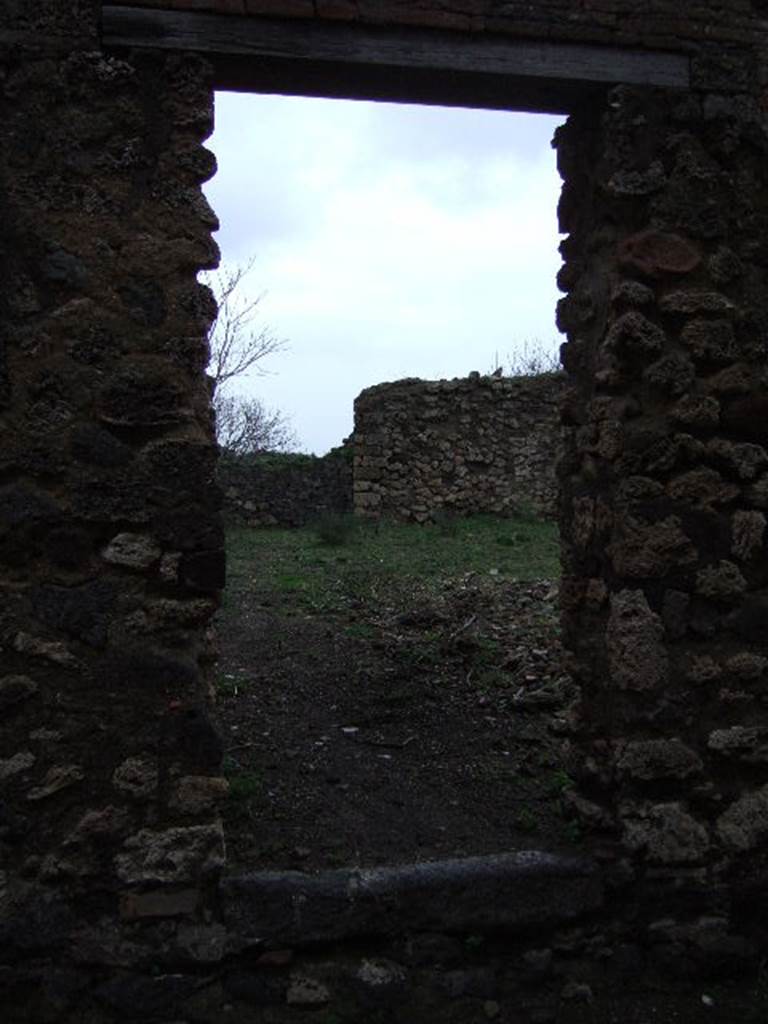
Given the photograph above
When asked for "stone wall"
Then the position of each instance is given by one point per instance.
(111, 555)
(665, 485)
(477, 444)
(285, 490)
(111, 548)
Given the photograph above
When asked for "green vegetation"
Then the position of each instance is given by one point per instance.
(335, 529)
(349, 564)
(229, 685)
(559, 781)
(526, 820)
(243, 787)
(243, 784)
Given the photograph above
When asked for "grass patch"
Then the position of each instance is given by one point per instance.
(334, 528)
(306, 571)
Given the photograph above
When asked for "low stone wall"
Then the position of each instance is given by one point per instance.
(475, 444)
(285, 490)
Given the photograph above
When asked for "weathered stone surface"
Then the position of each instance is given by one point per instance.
(725, 266)
(587, 812)
(744, 825)
(266, 492)
(136, 669)
(98, 825)
(655, 253)
(635, 334)
(743, 743)
(757, 494)
(22, 504)
(510, 891)
(202, 943)
(690, 302)
(702, 668)
(82, 612)
(15, 690)
(307, 992)
(57, 778)
(137, 777)
(133, 550)
(748, 534)
(143, 395)
(634, 639)
(165, 612)
(20, 762)
(745, 460)
(643, 550)
(702, 488)
(198, 794)
(175, 855)
(383, 977)
(159, 903)
(96, 446)
(666, 833)
(636, 489)
(697, 411)
(648, 760)
(638, 183)
(169, 567)
(746, 665)
(673, 374)
(632, 293)
(674, 613)
(721, 582)
(475, 444)
(711, 340)
(49, 650)
(731, 381)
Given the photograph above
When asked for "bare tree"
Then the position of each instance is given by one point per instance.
(236, 346)
(243, 424)
(246, 427)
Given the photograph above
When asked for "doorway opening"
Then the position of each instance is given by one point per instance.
(391, 686)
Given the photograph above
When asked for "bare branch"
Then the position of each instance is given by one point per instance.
(246, 427)
(243, 425)
(236, 347)
(532, 357)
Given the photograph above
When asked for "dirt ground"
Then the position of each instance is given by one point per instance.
(422, 732)
(426, 731)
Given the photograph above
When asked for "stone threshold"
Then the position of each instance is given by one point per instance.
(511, 892)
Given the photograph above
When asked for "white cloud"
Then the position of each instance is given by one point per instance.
(392, 241)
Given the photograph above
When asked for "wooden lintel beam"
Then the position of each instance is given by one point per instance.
(290, 45)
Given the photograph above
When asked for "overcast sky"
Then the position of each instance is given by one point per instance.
(391, 241)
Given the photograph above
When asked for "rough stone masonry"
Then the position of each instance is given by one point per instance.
(474, 444)
(111, 550)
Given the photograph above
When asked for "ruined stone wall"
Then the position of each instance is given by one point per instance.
(111, 551)
(476, 444)
(665, 484)
(268, 490)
